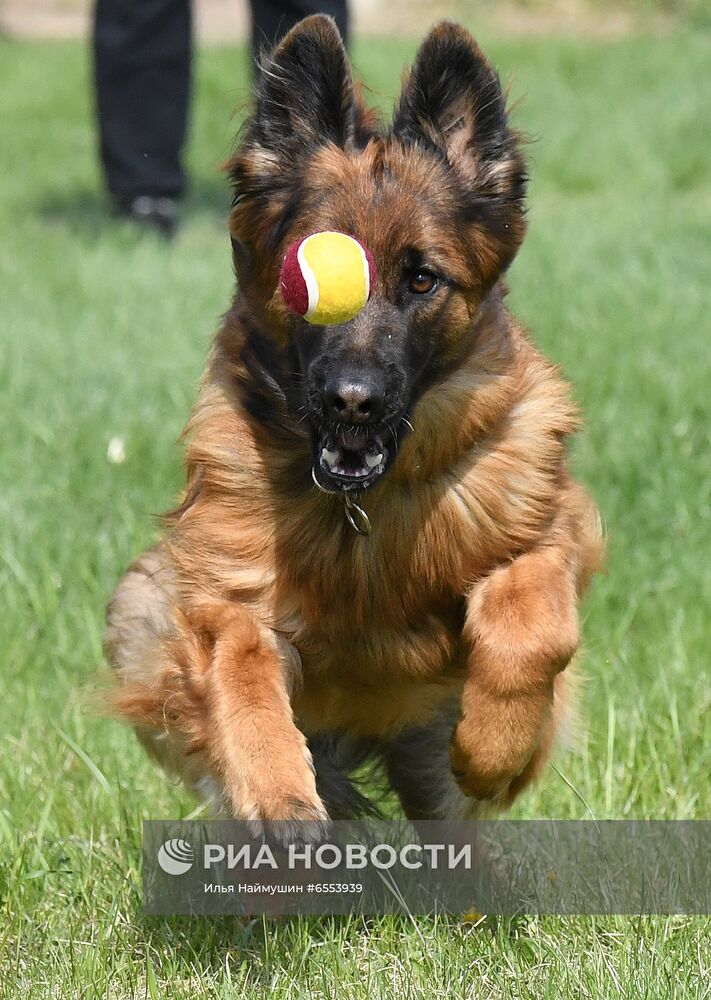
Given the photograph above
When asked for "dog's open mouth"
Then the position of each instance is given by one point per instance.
(350, 456)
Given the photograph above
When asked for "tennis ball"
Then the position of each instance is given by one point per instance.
(327, 277)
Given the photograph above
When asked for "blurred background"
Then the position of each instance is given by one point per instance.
(228, 20)
(104, 330)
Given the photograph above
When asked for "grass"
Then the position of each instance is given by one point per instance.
(104, 335)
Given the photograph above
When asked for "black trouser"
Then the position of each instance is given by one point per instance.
(142, 58)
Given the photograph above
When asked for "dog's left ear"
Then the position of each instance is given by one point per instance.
(452, 102)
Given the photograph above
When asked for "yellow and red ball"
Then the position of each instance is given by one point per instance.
(327, 277)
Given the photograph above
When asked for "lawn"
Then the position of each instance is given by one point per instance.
(103, 336)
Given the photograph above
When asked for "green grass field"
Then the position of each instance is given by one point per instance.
(104, 334)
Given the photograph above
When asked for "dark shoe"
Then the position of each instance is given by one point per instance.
(159, 214)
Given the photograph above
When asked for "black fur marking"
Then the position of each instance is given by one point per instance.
(418, 767)
(269, 392)
(294, 206)
(335, 758)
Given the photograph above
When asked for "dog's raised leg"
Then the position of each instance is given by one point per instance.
(522, 626)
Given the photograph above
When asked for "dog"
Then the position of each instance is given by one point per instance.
(306, 610)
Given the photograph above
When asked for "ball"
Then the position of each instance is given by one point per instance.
(327, 277)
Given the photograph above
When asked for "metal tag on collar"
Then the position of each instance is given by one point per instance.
(356, 516)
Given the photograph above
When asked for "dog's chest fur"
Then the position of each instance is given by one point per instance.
(377, 621)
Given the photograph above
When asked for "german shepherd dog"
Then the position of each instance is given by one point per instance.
(266, 646)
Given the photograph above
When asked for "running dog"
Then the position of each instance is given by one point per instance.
(380, 550)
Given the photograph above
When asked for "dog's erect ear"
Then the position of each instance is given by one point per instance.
(452, 102)
(304, 91)
(303, 100)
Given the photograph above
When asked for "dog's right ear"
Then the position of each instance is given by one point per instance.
(304, 92)
(304, 99)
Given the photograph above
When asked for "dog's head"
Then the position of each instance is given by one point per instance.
(438, 200)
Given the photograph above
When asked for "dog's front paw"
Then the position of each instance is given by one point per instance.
(494, 740)
(279, 799)
(479, 773)
(292, 820)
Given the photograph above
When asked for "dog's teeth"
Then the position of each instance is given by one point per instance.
(372, 460)
(330, 457)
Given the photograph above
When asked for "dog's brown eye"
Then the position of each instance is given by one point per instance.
(422, 282)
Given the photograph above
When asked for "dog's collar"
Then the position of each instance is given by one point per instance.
(355, 515)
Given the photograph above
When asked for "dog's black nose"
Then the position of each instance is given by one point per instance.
(354, 398)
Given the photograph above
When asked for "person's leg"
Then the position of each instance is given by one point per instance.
(142, 51)
(271, 19)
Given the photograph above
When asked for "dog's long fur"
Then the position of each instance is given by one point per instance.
(262, 639)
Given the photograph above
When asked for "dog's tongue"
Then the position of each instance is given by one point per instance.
(351, 438)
